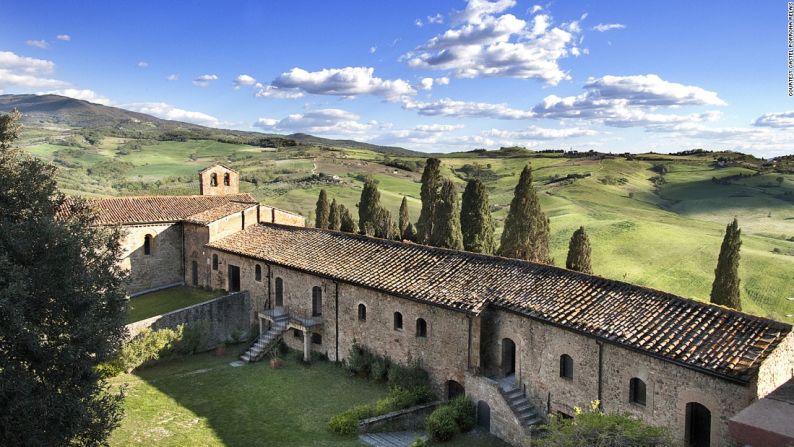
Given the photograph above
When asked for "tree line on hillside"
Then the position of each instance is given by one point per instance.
(446, 221)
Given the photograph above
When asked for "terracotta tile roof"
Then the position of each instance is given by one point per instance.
(154, 209)
(702, 336)
(218, 212)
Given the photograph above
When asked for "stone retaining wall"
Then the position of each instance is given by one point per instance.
(223, 316)
(409, 419)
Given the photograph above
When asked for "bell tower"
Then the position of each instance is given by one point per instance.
(218, 180)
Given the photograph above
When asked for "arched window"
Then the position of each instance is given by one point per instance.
(637, 391)
(214, 179)
(566, 366)
(226, 179)
(362, 312)
(147, 244)
(317, 301)
(215, 262)
(398, 321)
(258, 272)
(279, 292)
(421, 328)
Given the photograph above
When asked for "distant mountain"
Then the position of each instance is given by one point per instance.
(41, 110)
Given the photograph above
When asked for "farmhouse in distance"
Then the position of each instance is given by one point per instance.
(523, 340)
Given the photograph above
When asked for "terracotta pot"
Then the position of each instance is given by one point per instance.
(276, 363)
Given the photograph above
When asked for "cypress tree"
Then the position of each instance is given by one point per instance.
(475, 218)
(368, 206)
(334, 218)
(579, 252)
(322, 211)
(346, 220)
(725, 289)
(431, 187)
(446, 228)
(404, 219)
(526, 232)
(410, 233)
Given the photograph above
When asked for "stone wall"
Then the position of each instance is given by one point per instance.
(218, 279)
(233, 223)
(669, 387)
(205, 179)
(504, 423)
(163, 267)
(778, 368)
(409, 419)
(223, 316)
(443, 353)
(275, 215)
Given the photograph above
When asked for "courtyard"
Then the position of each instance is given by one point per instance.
(163, 301)
(203, 401)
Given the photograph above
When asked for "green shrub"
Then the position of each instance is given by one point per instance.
(343, 424)
(359, 362)
(464, 411)
(192, 336)
(108, 370)
(441, 425)
(408, 377)
(380, 369)
(408, 398)
(420, 442)
(147, 346)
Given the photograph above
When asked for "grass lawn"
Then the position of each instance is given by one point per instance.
(202, 401)
(157, 303)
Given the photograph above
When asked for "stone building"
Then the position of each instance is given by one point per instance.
(523, 340)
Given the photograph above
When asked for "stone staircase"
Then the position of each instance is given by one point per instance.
(265, 342)
(519, 403)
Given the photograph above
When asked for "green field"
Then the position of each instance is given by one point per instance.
(157, 303)
(666, 235)
(203, 401)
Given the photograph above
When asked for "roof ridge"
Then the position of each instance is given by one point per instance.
(516, 261)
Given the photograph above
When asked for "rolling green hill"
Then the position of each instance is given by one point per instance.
(654, 220)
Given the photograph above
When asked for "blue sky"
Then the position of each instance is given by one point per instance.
(433, 76)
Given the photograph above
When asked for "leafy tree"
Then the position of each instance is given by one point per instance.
(475, 218)
(446, 228)
(595, 428)
(725, 289)
(322, 211)
(579, 252)
(62, 309)
(334, 218)
(347, 224)
(404, 219)
(9, 128)
(526, 232)
(431, 189)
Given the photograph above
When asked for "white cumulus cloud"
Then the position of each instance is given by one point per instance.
(142, 64)
(244, 80)
(602, 27)
(781, 120)
(172, 77)
(37, 43)
(64, 37)
(168, 112)
(436, 19)
(426, 83)
(204, 80)
(268, 91)
(454, 108)
(488, 43)
(26, 71)
(348, 82)
(325, 122)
